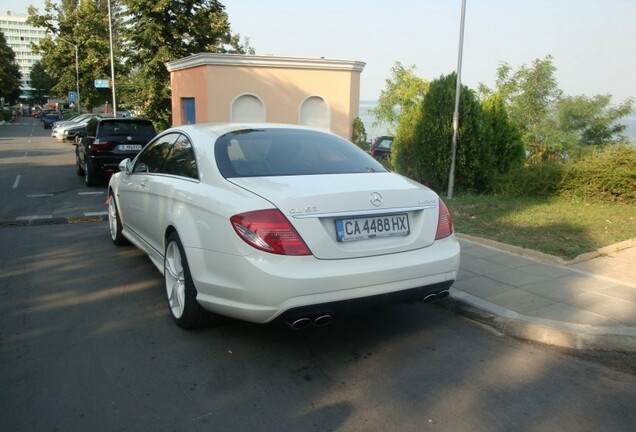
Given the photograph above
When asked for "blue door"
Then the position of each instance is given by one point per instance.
(188, 110)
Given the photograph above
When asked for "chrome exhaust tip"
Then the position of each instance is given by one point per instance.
(442, 294)
(323, 320)
(429, 298)
(300, 323)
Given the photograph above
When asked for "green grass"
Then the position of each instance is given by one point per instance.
(556, 226)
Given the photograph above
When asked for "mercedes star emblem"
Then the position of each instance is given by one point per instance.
(376, 199)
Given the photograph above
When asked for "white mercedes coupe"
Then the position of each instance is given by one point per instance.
(265, 222)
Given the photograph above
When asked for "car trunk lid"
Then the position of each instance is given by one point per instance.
(352, 215)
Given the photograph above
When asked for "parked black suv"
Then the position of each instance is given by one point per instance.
(108, 141)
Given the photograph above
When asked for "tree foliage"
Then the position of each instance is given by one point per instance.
(41, 82)
(359, 134)
(9, 73)
(507, 147)
(593, 120)
(403, 93)
(553, 125)
(531, 95)
(159, 31)
(82, 23)
(146, 35)
(428, 143)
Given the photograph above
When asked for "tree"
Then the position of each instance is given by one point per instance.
(161, 31)
(9, 73)
(507, 148)
(359, 134)
(593, 120)
(41, 82)
(531, 95)
(427, 136)
(82, 23)
(403, 93)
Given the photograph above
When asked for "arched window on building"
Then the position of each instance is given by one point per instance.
(315, 112)
(248, 108)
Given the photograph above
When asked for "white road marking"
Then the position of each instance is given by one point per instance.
(17, 181)
(91, 193)
(38, 217)
(39, 195)
(102, 213)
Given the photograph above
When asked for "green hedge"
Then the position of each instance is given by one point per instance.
(605, 175)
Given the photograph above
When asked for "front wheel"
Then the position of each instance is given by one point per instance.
(114, 223)
(180, 291)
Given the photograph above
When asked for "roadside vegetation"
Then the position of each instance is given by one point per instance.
(534, 167)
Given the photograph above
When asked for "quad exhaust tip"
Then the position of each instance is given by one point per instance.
(305, 322)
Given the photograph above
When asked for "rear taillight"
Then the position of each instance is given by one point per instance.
(269, 231)
(100, 146)
(444, 222)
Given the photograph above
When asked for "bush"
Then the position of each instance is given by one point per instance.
(540, 179)
(604, 175)
(5, 115)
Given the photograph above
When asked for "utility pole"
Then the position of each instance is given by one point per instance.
(112, 59)
(451, 176)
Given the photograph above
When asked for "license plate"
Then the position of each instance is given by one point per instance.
(129, 147)
(372, 227)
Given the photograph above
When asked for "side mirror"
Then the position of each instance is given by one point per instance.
(125, 166)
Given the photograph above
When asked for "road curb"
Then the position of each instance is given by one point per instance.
(557, 333)
(547, 258)
(52, 221)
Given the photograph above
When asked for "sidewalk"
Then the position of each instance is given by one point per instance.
(584, 304)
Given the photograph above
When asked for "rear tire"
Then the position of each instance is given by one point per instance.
(89, 175)
(78, 165)
(180, 290)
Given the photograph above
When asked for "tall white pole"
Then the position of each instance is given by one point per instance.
(112, 59)
(77, 80)
(451, 176)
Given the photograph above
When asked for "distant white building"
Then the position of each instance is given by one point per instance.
(19, 36)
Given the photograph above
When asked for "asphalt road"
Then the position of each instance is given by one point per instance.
(87, 344)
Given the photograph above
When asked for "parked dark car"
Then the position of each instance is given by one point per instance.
(50, 118)
(381, 147)
(108, 141)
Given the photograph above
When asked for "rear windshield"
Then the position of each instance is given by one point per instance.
(289, 152)
(139, 128)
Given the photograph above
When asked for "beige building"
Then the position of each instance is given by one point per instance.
(320, 92)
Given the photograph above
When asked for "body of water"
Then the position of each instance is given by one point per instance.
(372, 131)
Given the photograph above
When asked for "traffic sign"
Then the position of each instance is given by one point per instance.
(72, 96)
(102, 83)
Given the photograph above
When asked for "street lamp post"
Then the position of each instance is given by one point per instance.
(112, 59)
(76, 71)
(458, 86)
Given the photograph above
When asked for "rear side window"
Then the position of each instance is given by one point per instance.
(91, 128)
(288, 152)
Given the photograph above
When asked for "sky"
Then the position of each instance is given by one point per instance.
(593, 42)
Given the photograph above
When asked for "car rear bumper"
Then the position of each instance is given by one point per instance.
(262, 287)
